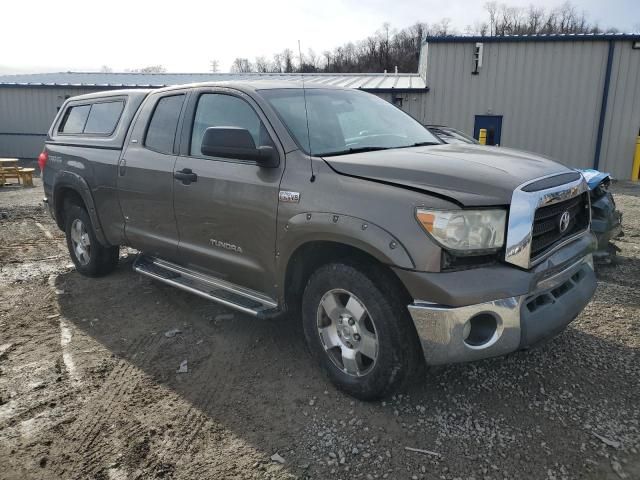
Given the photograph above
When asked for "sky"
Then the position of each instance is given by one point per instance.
(184, 36)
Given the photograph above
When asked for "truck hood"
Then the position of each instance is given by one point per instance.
(471, 175)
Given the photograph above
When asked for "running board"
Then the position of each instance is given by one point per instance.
(211, 288)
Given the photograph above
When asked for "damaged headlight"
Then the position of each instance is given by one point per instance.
(465, 231)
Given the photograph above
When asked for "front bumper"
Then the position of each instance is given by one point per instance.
(498, 327)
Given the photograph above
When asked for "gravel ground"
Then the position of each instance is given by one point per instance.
(89, 384)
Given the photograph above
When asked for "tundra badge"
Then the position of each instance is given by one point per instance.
(225, 245)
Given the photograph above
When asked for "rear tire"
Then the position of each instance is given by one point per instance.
(90, 257)
(359, 329)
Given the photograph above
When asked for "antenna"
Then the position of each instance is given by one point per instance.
(306, 114)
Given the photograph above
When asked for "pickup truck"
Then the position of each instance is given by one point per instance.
(394, 250)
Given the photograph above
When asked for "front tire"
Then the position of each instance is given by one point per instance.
(90, 257)
(359, 330)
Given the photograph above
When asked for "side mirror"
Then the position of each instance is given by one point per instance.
(235, 142)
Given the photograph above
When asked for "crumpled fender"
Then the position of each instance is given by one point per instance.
(593, 177)
(66, 179)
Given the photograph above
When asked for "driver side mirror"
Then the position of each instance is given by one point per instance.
(237, 143)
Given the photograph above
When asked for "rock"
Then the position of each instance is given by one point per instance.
(5, 348)
(616, 467)
(183, 367)
(277, 458)
(172, 333)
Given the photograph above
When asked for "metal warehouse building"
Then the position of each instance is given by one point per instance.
(575, 98)
(28, 103)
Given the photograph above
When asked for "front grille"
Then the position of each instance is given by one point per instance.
(546, 224)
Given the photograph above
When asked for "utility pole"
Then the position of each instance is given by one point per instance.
(214, 65)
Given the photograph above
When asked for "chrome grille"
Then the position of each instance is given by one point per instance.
(546, 231)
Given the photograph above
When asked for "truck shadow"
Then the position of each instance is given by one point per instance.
(251, 389)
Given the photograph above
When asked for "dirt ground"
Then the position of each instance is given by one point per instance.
(89, 387)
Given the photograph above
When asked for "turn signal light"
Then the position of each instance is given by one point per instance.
(427, 220)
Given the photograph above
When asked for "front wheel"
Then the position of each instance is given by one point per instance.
(90, 257)
(359, 330)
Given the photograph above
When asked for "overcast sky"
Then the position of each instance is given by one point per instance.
(185, 35)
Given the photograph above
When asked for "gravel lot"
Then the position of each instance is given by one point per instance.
(89, 385)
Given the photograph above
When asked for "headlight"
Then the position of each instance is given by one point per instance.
(464, 230)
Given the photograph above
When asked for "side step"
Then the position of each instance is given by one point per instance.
(211, 288)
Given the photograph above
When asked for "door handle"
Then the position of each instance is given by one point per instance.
(122, 167)
(186, 176)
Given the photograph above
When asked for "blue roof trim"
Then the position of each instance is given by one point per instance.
(578, 37)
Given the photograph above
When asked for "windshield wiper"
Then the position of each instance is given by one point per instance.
(352, 150)
(420, 144)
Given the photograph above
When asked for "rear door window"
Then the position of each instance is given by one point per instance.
(74, 119)
(161, 132)
(103, 118)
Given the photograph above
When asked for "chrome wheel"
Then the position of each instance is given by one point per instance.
(347, 332)
(80, 241)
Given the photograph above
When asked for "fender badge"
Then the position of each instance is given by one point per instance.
(289, 197)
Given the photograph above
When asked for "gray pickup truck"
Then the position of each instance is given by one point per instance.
(329, 204)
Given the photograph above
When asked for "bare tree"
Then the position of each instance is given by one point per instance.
(241, 65)
(276, 66)
(105, 69)
(564, 19)
(149, 69)
(492, 9)
(287, 60)
(262, 65)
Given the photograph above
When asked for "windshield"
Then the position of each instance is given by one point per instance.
(345, 121)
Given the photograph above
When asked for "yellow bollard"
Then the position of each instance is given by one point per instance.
(482, 136)
(635, 173)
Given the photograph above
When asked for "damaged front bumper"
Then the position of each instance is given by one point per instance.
(501, 326)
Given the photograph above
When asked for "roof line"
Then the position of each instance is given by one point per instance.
(569, 37)
(248, 74)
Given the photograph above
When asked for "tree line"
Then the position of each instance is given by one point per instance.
(388, 48)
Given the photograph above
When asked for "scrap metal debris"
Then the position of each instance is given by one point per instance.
(611, 443)
(277, 458)
(420, 450)
(183, 367)
(172, 333)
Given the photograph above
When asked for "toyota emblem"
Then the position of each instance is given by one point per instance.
(565, 218)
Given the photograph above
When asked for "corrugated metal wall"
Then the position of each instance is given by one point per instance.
(549, 94)
(623, 112)
(25, 116)
(414, 103)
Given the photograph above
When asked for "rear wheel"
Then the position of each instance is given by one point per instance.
(359, 330)
(90, 257)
